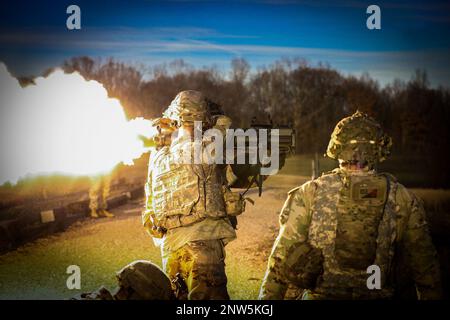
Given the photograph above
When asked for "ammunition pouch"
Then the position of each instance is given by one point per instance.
(175, 221)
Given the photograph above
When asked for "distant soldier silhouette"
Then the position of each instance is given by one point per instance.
(98, 194)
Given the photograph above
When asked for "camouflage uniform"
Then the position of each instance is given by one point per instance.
(98, 195)
(334, 227)
(185, 207)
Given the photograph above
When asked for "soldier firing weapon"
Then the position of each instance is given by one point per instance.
(247, 175)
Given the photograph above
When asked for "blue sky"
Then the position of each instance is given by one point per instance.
(414, 34)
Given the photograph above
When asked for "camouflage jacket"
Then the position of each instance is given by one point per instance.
(185, 199)
(352, 235)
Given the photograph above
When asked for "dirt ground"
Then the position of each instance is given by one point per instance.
(101, 247)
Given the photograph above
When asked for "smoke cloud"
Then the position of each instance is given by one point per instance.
(63, 124)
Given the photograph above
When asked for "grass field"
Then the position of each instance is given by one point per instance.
(101, 247)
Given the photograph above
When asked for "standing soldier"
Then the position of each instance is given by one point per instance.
(334, 227)
(185, 207)
(98, 194)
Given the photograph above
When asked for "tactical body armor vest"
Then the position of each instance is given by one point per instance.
(353, 230)
(184, 193)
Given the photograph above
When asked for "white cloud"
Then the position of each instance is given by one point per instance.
(201, 46)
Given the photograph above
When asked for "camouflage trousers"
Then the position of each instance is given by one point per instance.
(99, 192)
(201, 266)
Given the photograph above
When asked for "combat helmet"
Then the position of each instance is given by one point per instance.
(143, 280)
(188, 106)
(359, 137)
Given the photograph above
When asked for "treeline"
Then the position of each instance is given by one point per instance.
(311, 98)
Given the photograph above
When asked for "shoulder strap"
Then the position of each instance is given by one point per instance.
(250, 185)
(399, 223)
(388, 190)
